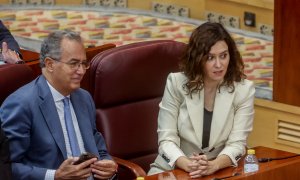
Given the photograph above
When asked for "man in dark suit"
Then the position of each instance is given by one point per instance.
(51, 121)
(5, 167)
(10, 49)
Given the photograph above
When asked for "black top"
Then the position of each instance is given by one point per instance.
(206, 127)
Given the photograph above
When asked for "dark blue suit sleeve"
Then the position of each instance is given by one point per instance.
(5, 36)
(5, 166)
(16, 125)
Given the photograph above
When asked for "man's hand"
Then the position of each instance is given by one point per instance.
(104, 169)
(9, 56)
(69, 171)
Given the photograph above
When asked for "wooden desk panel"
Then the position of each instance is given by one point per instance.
(275, 170)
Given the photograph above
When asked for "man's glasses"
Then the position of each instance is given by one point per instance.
(74, 64)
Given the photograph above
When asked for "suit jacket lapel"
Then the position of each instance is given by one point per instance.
(195, 107)
(223, 103)
(82, 114)
(48, 109)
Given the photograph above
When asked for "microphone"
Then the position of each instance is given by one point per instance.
(263, 160)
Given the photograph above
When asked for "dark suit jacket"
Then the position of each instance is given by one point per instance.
(5, 36)
(5, 166)
(31, 123)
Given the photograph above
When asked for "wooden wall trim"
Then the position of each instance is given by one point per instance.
(276, 106)
(286, 83)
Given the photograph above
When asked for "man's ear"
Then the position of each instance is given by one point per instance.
(49, 64)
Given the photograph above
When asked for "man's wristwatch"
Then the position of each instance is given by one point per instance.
(20, 62)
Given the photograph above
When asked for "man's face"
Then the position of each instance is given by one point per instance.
(65, 77)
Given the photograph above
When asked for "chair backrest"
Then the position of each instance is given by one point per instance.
(90, 54)
(32, 59)
(12, 77)
(128, 85)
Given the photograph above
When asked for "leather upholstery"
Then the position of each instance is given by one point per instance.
(90, 53)
(128, 85)
(12, 77)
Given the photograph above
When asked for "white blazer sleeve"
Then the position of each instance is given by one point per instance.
(243, 121)
(168, 139)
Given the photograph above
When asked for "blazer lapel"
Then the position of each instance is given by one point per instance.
(86, 129)
(195, 107)
(48, 109)
(223, 103)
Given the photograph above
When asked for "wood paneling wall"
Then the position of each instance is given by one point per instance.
(266, 127)
(286, 85)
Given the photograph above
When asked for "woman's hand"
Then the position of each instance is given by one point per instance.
(198, 165)
(201, 166)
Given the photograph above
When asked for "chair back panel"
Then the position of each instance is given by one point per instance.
(132, 128)
(12, 77)
(32, 59)
(145, 161)
(128, 85)
(90, 54)
(137, 72)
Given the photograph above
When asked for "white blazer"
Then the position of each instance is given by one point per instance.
(180, 123)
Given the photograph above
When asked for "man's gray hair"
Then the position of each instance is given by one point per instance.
(51, 46)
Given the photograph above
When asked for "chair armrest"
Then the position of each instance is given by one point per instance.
(133, 168)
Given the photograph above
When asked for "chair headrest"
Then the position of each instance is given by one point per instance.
(134, 72)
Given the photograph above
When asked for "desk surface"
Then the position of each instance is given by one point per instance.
(275, 170)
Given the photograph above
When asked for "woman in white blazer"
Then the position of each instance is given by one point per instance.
(207, 111)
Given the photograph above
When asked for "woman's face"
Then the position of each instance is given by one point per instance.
(217, 62)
